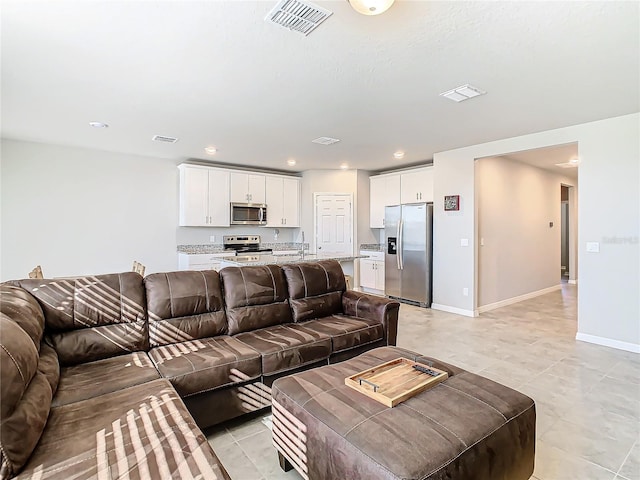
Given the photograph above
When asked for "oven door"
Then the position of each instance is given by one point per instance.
(248, 214)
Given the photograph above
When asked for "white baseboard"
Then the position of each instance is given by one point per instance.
(573, 282)
(608, 342)
(459, 311)
(519, 298)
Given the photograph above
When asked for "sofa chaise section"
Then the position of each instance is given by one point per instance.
(190, 347)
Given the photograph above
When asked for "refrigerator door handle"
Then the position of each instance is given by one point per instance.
(400, 245)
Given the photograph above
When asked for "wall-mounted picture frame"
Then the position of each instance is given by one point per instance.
(451, 203)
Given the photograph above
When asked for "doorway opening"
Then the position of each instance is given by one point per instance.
(525, 224)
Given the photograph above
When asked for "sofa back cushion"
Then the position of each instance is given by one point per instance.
(184, 306)
(315, 288)
(93, 317)
(29, 375)
(255, 297)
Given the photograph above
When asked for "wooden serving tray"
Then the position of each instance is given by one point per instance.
(394, 382)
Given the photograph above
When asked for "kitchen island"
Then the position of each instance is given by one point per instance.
(275, 259)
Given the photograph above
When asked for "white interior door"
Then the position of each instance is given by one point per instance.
(334, 232)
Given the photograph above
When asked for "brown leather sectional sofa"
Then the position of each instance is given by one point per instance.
(104, 375)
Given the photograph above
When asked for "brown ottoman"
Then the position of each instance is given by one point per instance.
(467, 428)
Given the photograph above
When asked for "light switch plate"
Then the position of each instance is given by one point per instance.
(464, 242)
(212, 238)
(593, 247)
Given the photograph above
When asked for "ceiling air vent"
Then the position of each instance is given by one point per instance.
(325, 140)
(465, 92)
(162, 138)
(298, 16)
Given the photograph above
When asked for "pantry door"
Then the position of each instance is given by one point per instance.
(333, 223)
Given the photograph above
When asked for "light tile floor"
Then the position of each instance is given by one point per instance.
(587, 396)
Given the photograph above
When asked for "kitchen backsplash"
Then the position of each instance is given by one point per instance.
(201, 235)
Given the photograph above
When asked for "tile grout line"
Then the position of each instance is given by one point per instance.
(625, 459)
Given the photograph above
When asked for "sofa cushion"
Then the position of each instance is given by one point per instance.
(315, 288)
(28, 377)
(285, 347)
(88, 380)
(184, 306)
(206, 364)
(255, 297)
(93, 317)
(140, 432)
(347, 332)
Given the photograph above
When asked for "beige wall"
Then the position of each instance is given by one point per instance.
(79, 211)
(608, 213)
(518, 253)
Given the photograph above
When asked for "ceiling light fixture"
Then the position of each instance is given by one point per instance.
(291, 162)
(99, 125)
(344, 166)
(211, 150)
(371, 7)
(574, 160)
(465, 92)
(398, 155)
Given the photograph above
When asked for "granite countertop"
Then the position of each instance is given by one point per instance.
(218, 247)
(283, 259)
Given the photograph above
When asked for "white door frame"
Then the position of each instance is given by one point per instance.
(315, 216)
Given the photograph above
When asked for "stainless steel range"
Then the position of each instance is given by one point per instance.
(244, 244)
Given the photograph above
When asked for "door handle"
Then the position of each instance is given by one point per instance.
(400, 246)
(260, 214)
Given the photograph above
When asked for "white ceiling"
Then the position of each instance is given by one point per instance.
(548, 158)
(214, 73)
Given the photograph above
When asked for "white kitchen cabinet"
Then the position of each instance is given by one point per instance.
(417, 186)
(204, 197)
(283, 201)
(201, 261)
(247, 188)
(372, 272)
(384, 190)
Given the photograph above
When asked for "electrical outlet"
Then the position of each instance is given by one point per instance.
(464, 242)
(212, 238)
(465, 292)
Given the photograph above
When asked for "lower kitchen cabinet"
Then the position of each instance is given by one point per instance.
(201, 261)
(372, 272)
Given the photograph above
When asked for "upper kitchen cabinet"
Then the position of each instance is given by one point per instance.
(283, 201)
(383, 190)
(204, 197)
(247, 188)
(417, 186)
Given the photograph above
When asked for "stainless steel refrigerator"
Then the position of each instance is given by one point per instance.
(409, 252)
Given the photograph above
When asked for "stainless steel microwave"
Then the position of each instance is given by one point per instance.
(248, 214)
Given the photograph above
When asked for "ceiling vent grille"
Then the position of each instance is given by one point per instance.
(162, 138)
(325, 140)
(465, 92)
(298, 16)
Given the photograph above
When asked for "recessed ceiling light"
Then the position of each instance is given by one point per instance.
(574, 160)
(291, 162)
(344, 166)
(398, 155)
(99, 125)
(464, 92)
(211, 150)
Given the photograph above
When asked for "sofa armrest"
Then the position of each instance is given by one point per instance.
(372, 307)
